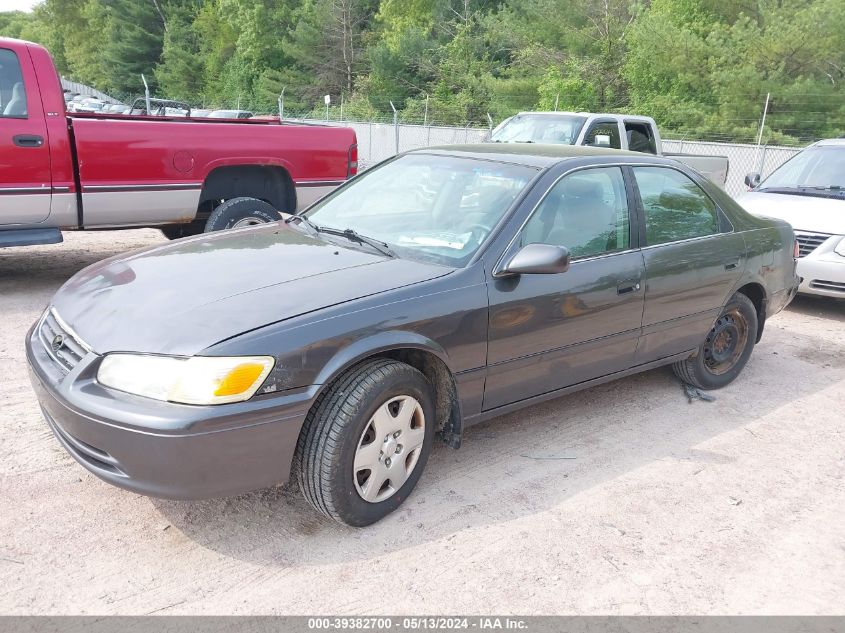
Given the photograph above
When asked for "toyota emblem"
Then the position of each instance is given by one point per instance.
(58, 342)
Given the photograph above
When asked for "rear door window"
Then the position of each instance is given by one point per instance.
(12, 92)
(675, 208)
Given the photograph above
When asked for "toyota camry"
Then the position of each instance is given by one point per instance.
(441, 288)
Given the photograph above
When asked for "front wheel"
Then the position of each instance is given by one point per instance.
(240, 212)
(366, 441)
(726, 348)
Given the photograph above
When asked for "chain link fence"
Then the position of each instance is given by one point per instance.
(383, 137)
(378, 141)
(742, 158)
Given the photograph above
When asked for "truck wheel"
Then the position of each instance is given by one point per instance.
(725, 349)
(365, 442)
(240, 212)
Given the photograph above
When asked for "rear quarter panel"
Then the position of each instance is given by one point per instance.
(769, 247)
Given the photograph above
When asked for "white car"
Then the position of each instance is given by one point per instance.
(808, 191)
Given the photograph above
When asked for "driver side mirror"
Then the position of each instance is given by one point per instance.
(537, 259)
(752, 179)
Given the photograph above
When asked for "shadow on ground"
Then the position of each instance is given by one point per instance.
(520, 464)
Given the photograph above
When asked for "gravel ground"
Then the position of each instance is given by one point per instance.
(659, 507)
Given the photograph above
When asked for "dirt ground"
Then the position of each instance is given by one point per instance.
(623, 499)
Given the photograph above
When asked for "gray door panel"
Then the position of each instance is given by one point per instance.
(551, 331)
(686, 284)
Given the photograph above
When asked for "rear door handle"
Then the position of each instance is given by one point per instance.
(732, 264)
(28, 140)
(625, 287)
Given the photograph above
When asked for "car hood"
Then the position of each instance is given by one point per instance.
(804, 213)
(183, 297)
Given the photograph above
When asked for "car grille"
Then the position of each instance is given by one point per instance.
(808, 242)
(833, 286)
(60, 342)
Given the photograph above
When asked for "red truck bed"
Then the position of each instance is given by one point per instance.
(108, 171)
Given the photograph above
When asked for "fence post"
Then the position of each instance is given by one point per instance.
(395, 125)
(370, 156)
(762, 159)
(428, 136)
(466, 133)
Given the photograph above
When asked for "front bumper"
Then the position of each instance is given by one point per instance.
(822, 276)
(163, 449)
(822, 271)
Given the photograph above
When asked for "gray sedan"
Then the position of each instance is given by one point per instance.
(438, 289)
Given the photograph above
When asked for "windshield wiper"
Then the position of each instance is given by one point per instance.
(350, 234)
(353, 236)
(313, 228)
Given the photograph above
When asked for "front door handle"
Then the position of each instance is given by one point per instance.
(28, 140)
(625, 287)
(732, 264)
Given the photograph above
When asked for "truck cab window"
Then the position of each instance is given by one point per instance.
(12, 93)
(640, 137)
(603, 134)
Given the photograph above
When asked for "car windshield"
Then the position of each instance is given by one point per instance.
(821, 167)
(438, 209)
(560, 129)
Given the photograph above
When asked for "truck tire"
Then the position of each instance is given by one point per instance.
(365, 442)
(726, 348)
(240, 212)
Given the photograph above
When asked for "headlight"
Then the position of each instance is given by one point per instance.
(196, 380)
(840, 248)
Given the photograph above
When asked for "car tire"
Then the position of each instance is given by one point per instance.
(726, 348)
(362, 420)
(241, 212)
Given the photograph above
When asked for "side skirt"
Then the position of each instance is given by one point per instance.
(551, 395)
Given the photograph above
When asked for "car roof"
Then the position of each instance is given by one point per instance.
(602, 115)
(832, 141)
(529, 154)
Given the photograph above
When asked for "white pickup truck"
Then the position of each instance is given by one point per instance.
(616, 131)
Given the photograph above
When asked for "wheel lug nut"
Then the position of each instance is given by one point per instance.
(387, 462)
(398, 448)
(397, 434)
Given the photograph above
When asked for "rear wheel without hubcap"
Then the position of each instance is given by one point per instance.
(725, 342)
(725, 349)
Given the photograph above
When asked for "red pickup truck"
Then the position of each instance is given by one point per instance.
(184, 176)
